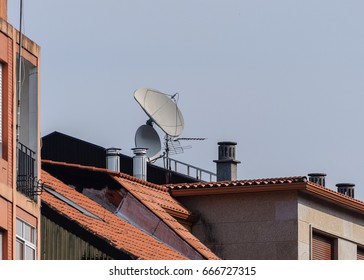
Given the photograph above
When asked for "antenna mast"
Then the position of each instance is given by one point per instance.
(19, 70)
(19, 85)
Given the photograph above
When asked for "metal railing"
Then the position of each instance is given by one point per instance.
(189, 170)
(26, 178)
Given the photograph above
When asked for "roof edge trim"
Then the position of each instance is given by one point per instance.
(333, 196)
(238, 189)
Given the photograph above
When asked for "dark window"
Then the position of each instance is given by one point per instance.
(322, 247)
(360, 253)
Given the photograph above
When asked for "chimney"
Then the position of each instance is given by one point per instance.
(4, 9)
(113, 159)
(346, 188)
(140, 163)
(317, 178)
(226, 165)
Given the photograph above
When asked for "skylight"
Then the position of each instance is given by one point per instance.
(71, 203)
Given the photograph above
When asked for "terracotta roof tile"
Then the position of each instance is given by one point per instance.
(153, 203)
(238, 183)
(300, 183)
(120, 233)
(155, 197)
(104, 170)
(159, 193)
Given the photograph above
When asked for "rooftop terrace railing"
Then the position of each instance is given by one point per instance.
(189, 170)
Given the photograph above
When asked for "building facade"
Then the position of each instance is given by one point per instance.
(269, 219)
(20, 143)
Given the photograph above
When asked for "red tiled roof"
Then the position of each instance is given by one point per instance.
(98, 169)
(160, 194)
(149, 198)
(335, 196)
(157, 199)
(120, 233)
(299, 183)
(238, 183)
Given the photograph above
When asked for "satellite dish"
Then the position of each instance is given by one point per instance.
(147, 137)
(162, 110)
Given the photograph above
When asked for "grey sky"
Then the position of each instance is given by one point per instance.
(284, 79)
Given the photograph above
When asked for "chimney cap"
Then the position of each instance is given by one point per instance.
(227, 143)
(346, 189)
(345, 185)
(139, 151)
(113, 151)
(113, 148)
(316, 174)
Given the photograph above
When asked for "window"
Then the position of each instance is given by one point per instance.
(322, 247)
(25, 241)
(360, 253)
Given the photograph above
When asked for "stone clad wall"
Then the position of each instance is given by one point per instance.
(345, 226)
(259, 225)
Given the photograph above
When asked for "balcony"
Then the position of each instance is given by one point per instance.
(27, 182)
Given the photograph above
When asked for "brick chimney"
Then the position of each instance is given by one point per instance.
(226, 165)
(4, 9)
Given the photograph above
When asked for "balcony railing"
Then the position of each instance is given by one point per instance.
(26, 178)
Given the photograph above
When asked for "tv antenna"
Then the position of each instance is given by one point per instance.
(163, 111)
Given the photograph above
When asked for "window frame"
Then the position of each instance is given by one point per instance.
(23, 241)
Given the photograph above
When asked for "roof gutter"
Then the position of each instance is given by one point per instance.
(335, 197)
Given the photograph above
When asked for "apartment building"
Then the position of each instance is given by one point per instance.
(20, 143)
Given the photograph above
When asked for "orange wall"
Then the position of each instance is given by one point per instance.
(6, 162)
(12, 204)
(6, 225)
(6, 57)
(4, 9)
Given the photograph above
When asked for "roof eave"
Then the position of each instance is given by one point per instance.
(335, 197)
(238, 189)
(307, 187)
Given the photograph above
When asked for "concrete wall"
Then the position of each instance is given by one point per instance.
(345, 226)
(247, 226)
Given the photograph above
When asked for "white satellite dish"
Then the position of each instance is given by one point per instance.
(162, 110)
(147, 137)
